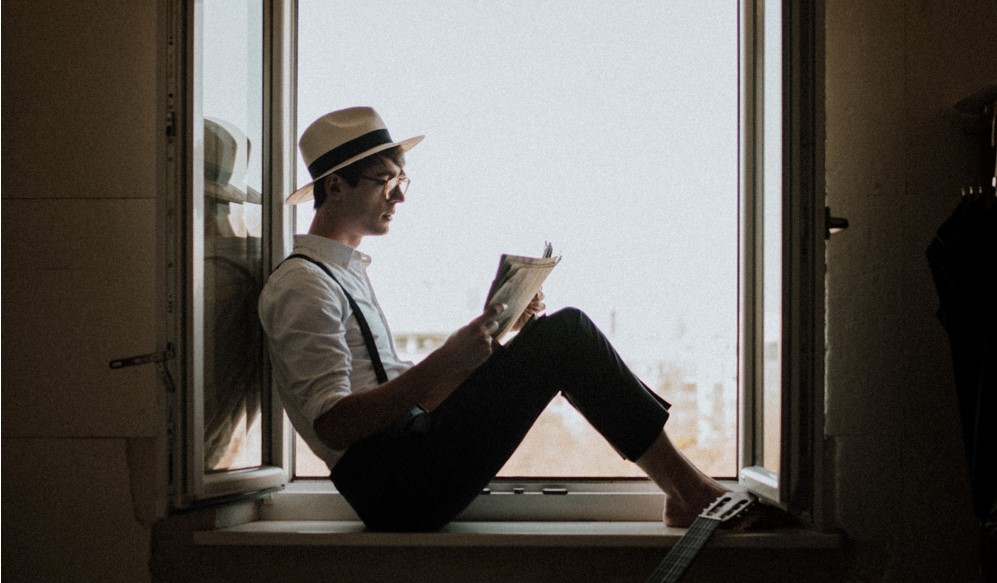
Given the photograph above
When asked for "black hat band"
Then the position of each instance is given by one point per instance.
(345, 151)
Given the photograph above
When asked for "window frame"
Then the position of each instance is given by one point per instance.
(795, 487)
(189, 485)
(804, 263)
(803, 286)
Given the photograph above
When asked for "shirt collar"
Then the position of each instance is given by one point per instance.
(332, 252)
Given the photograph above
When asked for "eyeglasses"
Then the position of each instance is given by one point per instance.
(400, 182)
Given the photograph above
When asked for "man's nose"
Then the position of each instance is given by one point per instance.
(396, 195)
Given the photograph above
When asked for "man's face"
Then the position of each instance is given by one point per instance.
(368, 208)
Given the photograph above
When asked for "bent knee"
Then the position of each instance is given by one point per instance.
(568, 318)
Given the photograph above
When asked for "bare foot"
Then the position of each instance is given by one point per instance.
(681, 513)
(687, 489)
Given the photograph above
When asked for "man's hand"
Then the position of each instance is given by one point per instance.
(536, 306)
(471, 345)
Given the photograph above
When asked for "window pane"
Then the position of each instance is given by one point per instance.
(232, 109)
(772, 229)
(610, 132)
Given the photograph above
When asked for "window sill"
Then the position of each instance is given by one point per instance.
(327, 533)
(614, 502)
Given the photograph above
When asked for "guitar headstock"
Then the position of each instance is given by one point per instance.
(729, 506)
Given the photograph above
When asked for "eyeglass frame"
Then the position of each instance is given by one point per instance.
(402, 183)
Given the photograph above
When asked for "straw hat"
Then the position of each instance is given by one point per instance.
(225, 163)
(339, 139)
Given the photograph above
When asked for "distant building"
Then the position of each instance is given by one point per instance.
(415, 346)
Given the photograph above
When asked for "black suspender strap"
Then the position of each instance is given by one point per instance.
(368, 338)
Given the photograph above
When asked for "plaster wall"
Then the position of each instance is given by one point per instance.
(81, 443)
(896, 157)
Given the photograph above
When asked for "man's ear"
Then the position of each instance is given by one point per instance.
(333, 187)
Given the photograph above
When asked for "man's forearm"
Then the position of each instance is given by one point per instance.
(363, 414)
(442, 391)
(360, 415)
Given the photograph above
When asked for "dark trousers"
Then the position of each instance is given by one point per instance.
(425, 469)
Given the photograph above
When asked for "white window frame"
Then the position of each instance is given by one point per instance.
(182, 157)
(795, 488)
(802, 346)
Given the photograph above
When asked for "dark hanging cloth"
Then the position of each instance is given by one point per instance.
(963, 261)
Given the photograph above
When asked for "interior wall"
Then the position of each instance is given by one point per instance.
(81, 473)
(896, 157)
(82, 444)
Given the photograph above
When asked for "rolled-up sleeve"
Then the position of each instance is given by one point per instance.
(303, 317)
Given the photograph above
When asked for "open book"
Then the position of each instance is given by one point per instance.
(516, 282)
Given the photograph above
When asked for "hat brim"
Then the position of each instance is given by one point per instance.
(229, 193)
(306, 192)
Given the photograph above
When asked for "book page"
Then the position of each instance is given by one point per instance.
(516, 282)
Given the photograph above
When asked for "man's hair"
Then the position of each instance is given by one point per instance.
(351, 174)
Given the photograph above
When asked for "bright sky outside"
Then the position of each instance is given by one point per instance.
(610, 131)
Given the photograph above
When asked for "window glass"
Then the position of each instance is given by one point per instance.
(772, 237)
(231, 60)
(609, 130)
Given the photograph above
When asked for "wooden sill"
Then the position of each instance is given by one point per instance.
(320, 533)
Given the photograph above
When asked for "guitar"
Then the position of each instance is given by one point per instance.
(723, 509)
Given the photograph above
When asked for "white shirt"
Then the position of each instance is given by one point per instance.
(316, 347)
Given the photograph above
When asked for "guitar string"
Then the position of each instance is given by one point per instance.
(687, 548)
(669, 566)
(689, 552)
(697, 535)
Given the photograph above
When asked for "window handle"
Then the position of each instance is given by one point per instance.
(144, 358)
(832, 224)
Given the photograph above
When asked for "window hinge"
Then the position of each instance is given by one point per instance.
(171, 124)
(144, 358)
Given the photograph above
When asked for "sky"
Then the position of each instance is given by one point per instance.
(610, 131)
(607, 128)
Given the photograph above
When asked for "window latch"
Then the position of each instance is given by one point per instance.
(143, 359)
(833, 225)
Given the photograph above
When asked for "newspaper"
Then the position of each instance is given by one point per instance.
(516, 282)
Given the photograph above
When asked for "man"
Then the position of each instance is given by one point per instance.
(409, 447)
